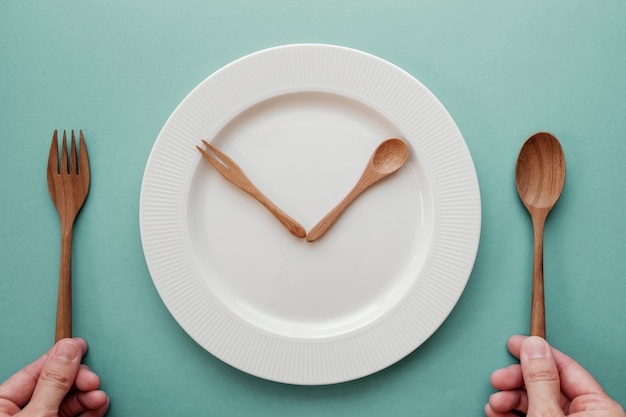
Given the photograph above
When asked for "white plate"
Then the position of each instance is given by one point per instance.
(302, 121)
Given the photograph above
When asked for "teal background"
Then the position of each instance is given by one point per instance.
(503, 69)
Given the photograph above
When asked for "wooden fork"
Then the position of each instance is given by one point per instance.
(68, 184)
(235, 175)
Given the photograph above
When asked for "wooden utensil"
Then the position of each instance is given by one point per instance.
(235, 175)
(539, 178)
(68, 184)
(388, 157)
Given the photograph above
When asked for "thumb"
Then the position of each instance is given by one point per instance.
(541, 378)
(57, 377)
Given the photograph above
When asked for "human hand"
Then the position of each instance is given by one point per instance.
(55, 385)
(547, 383)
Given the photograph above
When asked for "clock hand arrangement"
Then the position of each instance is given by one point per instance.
(388, 157)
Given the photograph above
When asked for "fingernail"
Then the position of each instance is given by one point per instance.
(67, 350)
(535, 348)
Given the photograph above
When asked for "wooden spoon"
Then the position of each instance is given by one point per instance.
(388, 157)
(539, 178)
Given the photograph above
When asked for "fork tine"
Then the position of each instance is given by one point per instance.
(53, 156)
(219, 166)
(83, 158)
(73, 167)
(63, 166)
(221, 155)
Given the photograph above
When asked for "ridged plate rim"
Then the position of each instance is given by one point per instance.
(430, 130)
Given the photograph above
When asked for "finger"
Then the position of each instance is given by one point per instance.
(80, 402)
(541, 377)
(507, 401)
(490, 412)
(57, 376)
(508, 378)
(506, 381)
(86, 380)
(575, 379)
(19, 388)
(100, 412)
(514, 344)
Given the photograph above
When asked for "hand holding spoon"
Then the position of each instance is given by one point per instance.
(539, 178)
(388, 157)
(235, 175)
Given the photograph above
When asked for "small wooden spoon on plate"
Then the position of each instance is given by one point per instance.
(388, 157)
(539, 178)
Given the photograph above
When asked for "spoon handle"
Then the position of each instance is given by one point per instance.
(538, 310)
(64, 301)
(323, 225)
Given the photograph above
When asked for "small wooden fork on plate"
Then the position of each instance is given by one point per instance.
(68, 184)
(232, 173)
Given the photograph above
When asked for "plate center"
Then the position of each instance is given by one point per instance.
(305, 151)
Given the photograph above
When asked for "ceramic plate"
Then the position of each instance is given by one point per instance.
(302, 122)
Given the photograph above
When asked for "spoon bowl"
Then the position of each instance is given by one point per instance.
(539, 179)
(388, 157)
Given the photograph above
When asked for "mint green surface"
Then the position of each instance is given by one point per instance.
(503, 69)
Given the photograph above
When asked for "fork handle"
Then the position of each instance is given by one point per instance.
(293, 226)
(64, 301)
